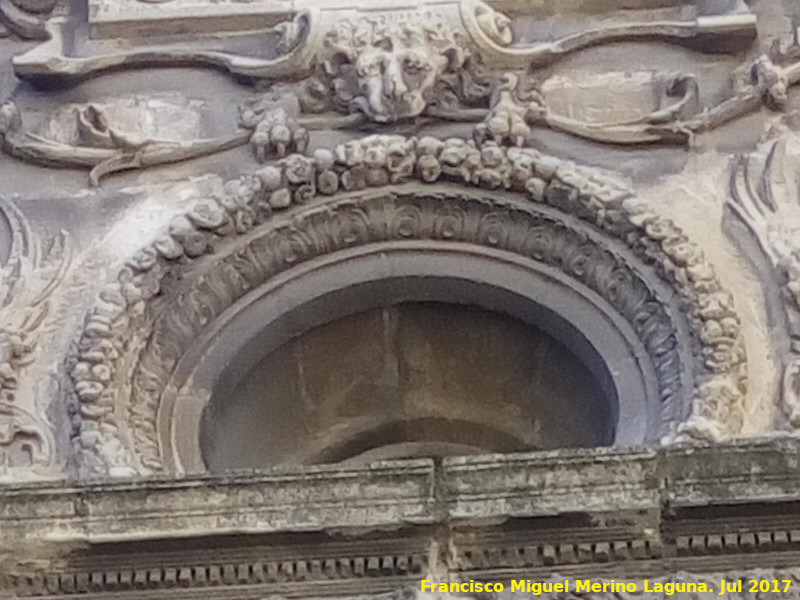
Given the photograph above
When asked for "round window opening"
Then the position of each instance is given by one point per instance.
(415, 379)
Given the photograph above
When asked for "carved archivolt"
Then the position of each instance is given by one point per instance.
(143, 322)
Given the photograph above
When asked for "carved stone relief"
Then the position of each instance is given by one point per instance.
(389, 66)
(486, 30)
(765, 196)
(115, 343)
(290, 136)
(27, 280)
(351, 67)
(26, 18)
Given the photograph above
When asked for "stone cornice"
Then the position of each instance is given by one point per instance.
(700, 508)
(310, 499)
(542, 484)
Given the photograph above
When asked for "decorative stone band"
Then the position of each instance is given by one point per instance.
(380, 573)
(118, 377)
(482, 28)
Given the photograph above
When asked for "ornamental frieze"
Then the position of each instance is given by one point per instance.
(452, 61)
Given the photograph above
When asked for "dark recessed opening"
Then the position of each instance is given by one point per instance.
(409, 380)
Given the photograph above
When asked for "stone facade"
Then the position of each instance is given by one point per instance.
(226, 227)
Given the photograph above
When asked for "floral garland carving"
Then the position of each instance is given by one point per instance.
(118, 328)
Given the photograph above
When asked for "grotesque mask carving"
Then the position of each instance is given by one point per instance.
(388, 69)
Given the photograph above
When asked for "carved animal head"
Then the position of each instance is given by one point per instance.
(388, 70)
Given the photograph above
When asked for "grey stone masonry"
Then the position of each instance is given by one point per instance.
(333, 531)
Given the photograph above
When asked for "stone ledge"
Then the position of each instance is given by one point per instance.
(482, 487)
(550, 483)
(315, 530)
(746, 471)
(282, 500)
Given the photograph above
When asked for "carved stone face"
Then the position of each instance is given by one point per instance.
(397, 82)
(429, 168)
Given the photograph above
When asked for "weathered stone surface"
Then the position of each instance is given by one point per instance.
(414, 382)
(308, 500)
(573, 513)
(620, 175)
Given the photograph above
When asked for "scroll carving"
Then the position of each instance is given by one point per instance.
(487, 30)
(765, 197)
(389, 67)
(118, 328)
(48, 63)
(26, 19)
(27, 281)
(517, 104)
(104, 148)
